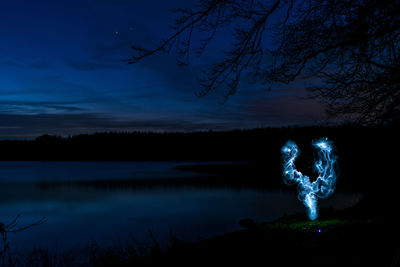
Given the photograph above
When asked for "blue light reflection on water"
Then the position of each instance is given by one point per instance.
(39, 171)
(76, 215)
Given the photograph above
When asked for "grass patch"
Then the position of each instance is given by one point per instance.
(300, 225)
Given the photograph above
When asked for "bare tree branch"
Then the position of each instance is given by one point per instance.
(350, 46)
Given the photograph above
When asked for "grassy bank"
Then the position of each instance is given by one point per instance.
(350, 237)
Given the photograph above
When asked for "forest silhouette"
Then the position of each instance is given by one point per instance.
(365, 153)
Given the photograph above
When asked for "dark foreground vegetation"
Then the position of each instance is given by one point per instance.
(350, 237)
(336, 239)
(364, 235)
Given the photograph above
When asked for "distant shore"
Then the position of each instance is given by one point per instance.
(262, 144)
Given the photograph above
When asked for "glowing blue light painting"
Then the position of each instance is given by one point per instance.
(323, 186)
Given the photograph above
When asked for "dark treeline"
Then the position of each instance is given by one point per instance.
(366, 154)
(245, 145)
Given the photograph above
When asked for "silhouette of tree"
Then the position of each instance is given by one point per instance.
(349, 47)
(12, 227)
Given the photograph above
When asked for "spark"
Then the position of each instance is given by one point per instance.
(323, 186)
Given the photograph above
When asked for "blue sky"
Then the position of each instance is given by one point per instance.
(61, 73)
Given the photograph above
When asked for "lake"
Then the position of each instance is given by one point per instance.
(82, 205)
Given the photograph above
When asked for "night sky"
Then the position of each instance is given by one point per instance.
(62, 73)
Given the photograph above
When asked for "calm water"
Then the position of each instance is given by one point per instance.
(77, 215)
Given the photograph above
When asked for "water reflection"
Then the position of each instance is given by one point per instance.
(79, 212)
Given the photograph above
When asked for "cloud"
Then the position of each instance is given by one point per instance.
(92, 65)
(32, 107)
(30, 126)
(285, 109)
(31, 65)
